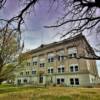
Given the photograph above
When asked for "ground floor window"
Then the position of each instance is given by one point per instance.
(60, 80)
(19, 81)
(74, 81)
(25, 80)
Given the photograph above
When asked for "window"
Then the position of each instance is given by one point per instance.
(60, 80)
(50, 70)
(41, 79)
(51, 59)
(25, 80)
(33, 72)
(34, 63)
(42, 65)
(19, 81)
(74, 68)
(74, 81)
(28, 63)
(27, 73)
(61, 70)
(60, 58)
(72, 52)
(71, 69)
(21, 73)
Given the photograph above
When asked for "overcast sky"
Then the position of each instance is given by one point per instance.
(34, 34)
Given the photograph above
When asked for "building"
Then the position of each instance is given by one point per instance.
(60, 63)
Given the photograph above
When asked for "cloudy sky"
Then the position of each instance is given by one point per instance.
(34, 34)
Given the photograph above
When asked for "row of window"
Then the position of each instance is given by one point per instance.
(73, 81)
(27, 73)
(60, 70)
(60, 58)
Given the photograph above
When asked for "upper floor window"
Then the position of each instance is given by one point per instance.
(27, 72)
(34, 63)
(60, 54)
(42, 64)
(60, 58)
(72, 52)
(21, 73)
(28, 63)
(50, 70)
(51, 57)
(33, 72)
(61, 69)
(74, 68)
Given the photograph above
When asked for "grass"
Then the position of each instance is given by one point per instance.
(49, 93)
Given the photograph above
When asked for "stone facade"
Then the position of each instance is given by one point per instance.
(59, 63)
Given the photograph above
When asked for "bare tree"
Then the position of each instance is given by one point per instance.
(79, 14)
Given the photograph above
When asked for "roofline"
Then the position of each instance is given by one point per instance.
(45, 46)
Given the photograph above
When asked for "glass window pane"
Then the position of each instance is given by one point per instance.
(76, 81)
(71, 69)
(72, 81)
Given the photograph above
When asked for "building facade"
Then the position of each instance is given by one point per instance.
(59, 63)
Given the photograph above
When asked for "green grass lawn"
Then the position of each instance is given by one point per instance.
(8, 92)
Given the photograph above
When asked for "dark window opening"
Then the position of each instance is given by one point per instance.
(63, 69)
(42, 65)
(19, 82)
(48, 70)
(49, 60)
(71, 69)
(33, 72)
(76, 68)
(72, 81)
(41, 79)
(25, 80)
(58, 81)
(27, 73)
(21, 73)
(34, 63)
(74, 55)
(62, 80)
(28, 64)
(59, 70)
(76, 81)
(52, 59)
(51, 70)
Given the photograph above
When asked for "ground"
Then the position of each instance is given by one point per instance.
(8, 92)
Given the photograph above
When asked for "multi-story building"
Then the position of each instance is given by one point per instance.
(58, 63)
